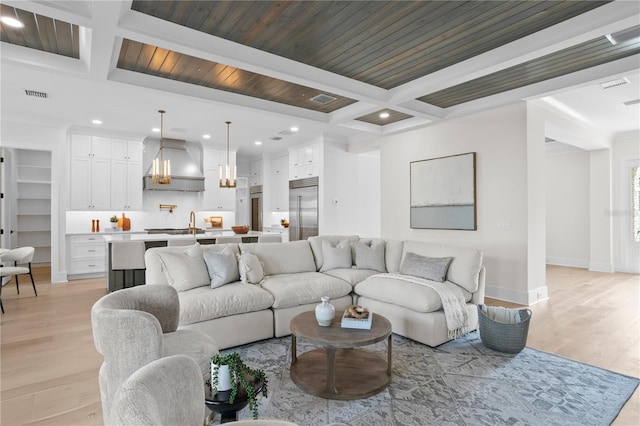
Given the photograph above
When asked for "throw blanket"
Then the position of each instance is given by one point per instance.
(453, 304)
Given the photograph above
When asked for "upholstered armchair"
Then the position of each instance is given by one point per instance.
(135, 326)
(167, 392)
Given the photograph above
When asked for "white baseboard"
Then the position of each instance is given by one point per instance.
(567, 261)
(601, 267)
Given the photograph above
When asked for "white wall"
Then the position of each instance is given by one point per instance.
(368, 195)
(567, 213)
(600, 223)
(338, 212)
(499, 138)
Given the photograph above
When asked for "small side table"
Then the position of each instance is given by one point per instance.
(219, 403)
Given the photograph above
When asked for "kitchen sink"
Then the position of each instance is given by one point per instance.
(173, 231)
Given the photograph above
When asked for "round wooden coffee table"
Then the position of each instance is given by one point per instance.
(337, 370)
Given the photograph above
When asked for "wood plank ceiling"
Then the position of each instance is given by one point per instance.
(41, 33)
(382, 43)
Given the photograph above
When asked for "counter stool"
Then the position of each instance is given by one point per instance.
(275, 238)
(226, 240)
(181, 242)
(127, 256)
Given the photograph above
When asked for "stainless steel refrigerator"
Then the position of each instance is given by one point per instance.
(303, 208)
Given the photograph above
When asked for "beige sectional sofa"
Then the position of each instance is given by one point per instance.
(292, 277)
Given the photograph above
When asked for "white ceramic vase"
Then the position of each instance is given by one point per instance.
(325, 312)
(224, 377)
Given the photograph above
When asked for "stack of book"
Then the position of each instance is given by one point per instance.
(349, 321)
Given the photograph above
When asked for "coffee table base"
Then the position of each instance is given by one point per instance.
(356, 373)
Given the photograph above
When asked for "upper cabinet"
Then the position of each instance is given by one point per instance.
(90, 173)
(216, 198)
(280, 184)
(105, 173)
(126, 175)
(305, 162)
(255, 177)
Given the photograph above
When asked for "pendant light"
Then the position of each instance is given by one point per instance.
(227, 183)
(161, 171)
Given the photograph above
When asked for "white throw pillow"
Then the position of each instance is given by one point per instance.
(430, 268)
(336, 257)
(250, 268)
(370, 255)
(185, 269)
(222, 266)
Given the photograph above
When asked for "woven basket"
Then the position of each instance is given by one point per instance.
(504, 337)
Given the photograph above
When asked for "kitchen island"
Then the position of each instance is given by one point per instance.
(115, 279)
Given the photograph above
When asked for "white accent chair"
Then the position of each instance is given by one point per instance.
(135, 326)
(19, 256)
(166, 392)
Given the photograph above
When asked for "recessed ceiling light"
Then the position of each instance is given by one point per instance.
(206, 136)
(96, 121)
(258, 143)
(155, 129)
(294, 129)
(384, 115)
(12, 22)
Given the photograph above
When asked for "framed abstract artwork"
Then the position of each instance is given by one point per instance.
(443, 192)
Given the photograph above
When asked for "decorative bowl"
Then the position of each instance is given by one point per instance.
(243, 229)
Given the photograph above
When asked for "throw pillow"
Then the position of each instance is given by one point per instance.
(222, 266)
(250, 268)
(185, 268)
(430, 268)
(336, 257)
(370, 255)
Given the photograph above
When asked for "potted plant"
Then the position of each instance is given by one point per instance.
(114, 221)
(240, 375)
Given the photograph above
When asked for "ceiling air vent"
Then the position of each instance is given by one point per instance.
(285, 132)
(36, 94)
(276, 138)
(614, 83)
(633, 102)
(323, 99)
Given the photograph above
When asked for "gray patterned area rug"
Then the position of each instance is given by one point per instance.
(459, 383)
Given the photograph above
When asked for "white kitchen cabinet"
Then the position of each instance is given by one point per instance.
(255, 177)
(280, 184)
(216, 198)
(90, 173)
(126, 175)
(86, 255)
(305, 162)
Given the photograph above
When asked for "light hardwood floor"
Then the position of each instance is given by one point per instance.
(49, 366)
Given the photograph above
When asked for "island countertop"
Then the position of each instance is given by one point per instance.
(124, 236)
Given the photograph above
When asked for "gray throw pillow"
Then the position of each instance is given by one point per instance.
(370, 256)
(336, 257)
(430, 268)
(222, 266)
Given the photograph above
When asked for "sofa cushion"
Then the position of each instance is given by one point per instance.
(250, 268)
(316, 245)
(205, 303)
(300, 289)
(418, 298)
(284, 258)
(351, 275)
(185, 268)
(370, 255)
(465, 266)
(393, 255)
(338, 256)
(222, 266)
(429, 268)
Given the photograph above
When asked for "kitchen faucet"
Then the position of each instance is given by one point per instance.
(192, 222)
